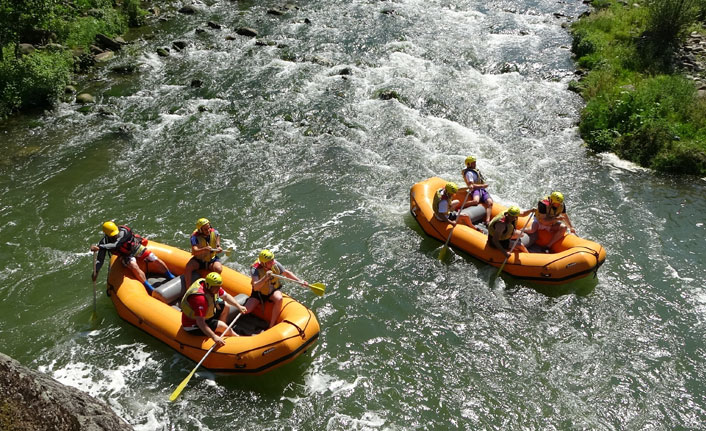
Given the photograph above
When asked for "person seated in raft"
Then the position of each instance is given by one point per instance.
(205, 246)
(121, 241)
(265, 287)
(503, 228)
(550, 215)
(477, 186)
(205, 307)
(445, 208)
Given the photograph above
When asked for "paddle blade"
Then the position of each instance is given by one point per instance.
(318, 288)
(229, 251)
(442, 253)
(182, 385)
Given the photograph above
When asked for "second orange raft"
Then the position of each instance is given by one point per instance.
(259, 349)
(570, 259)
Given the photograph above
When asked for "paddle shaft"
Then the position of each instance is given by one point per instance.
(95, 253)
(318, 288)
(522, 232)
(184, 382)
(446, 244)
(287, 278)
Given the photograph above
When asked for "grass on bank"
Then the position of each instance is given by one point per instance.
(637, 106)
(63, 31)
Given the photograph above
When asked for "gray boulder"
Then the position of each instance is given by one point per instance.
(34, 401)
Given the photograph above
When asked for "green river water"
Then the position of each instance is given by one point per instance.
(286, 145)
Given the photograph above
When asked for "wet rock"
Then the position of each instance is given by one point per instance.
(54, 47)
(85, 98)
(246, 31)
(188, 10)
(388, 12)
(230, 37)
(204, 108)
(154, 10)
(213, 25)
(388, 95)
(275, 11)
(104, 56)
(179, 45)
(307, 21)
(26, 48)
(124, 69)
(163, 52)
(199, 31)
(95, 50)
(196, 83)
(345, 71)
(69, 89)
(107, 43)
(34, 401)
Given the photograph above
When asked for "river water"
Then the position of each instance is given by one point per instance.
(291, 144)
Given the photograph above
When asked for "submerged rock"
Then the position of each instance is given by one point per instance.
(246, 31)
(84, 98)
(30, 400)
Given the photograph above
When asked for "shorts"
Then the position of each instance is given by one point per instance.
(484, 195)
(211, 323)
(142, 253)
(205, 265)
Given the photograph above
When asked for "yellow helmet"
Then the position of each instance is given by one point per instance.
(214, 279)
(201, 222)
(556, 198)
(451, 188)
(513, 211)
(469, 160)
(266, 256)
(110, 228)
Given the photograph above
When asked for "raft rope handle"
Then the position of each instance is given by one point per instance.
(301, 331)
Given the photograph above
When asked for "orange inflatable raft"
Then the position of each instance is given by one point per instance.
(571, 258)
(256, 351)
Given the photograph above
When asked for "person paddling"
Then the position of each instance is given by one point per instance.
(205, 246)
(265, 287)
(447, 209)
(477, 186)
(503, 228)
(205, 308)
(123, 242)
(551, 216)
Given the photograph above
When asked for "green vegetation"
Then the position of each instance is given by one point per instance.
(62, 31)
(637, 105)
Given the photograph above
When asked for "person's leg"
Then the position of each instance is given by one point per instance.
(191, 266)
(533, 228)
(221, 330)
(276, 298)
(464, 219)
(215, 266)
(475, 198)
(559, 231)
(488, 210)
(137, 272)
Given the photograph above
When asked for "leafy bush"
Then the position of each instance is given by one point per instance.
(34, 80)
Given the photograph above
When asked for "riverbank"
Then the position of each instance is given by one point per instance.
(43, 44)
(645, 97)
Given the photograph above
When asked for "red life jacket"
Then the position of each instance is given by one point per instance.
(130, 243)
